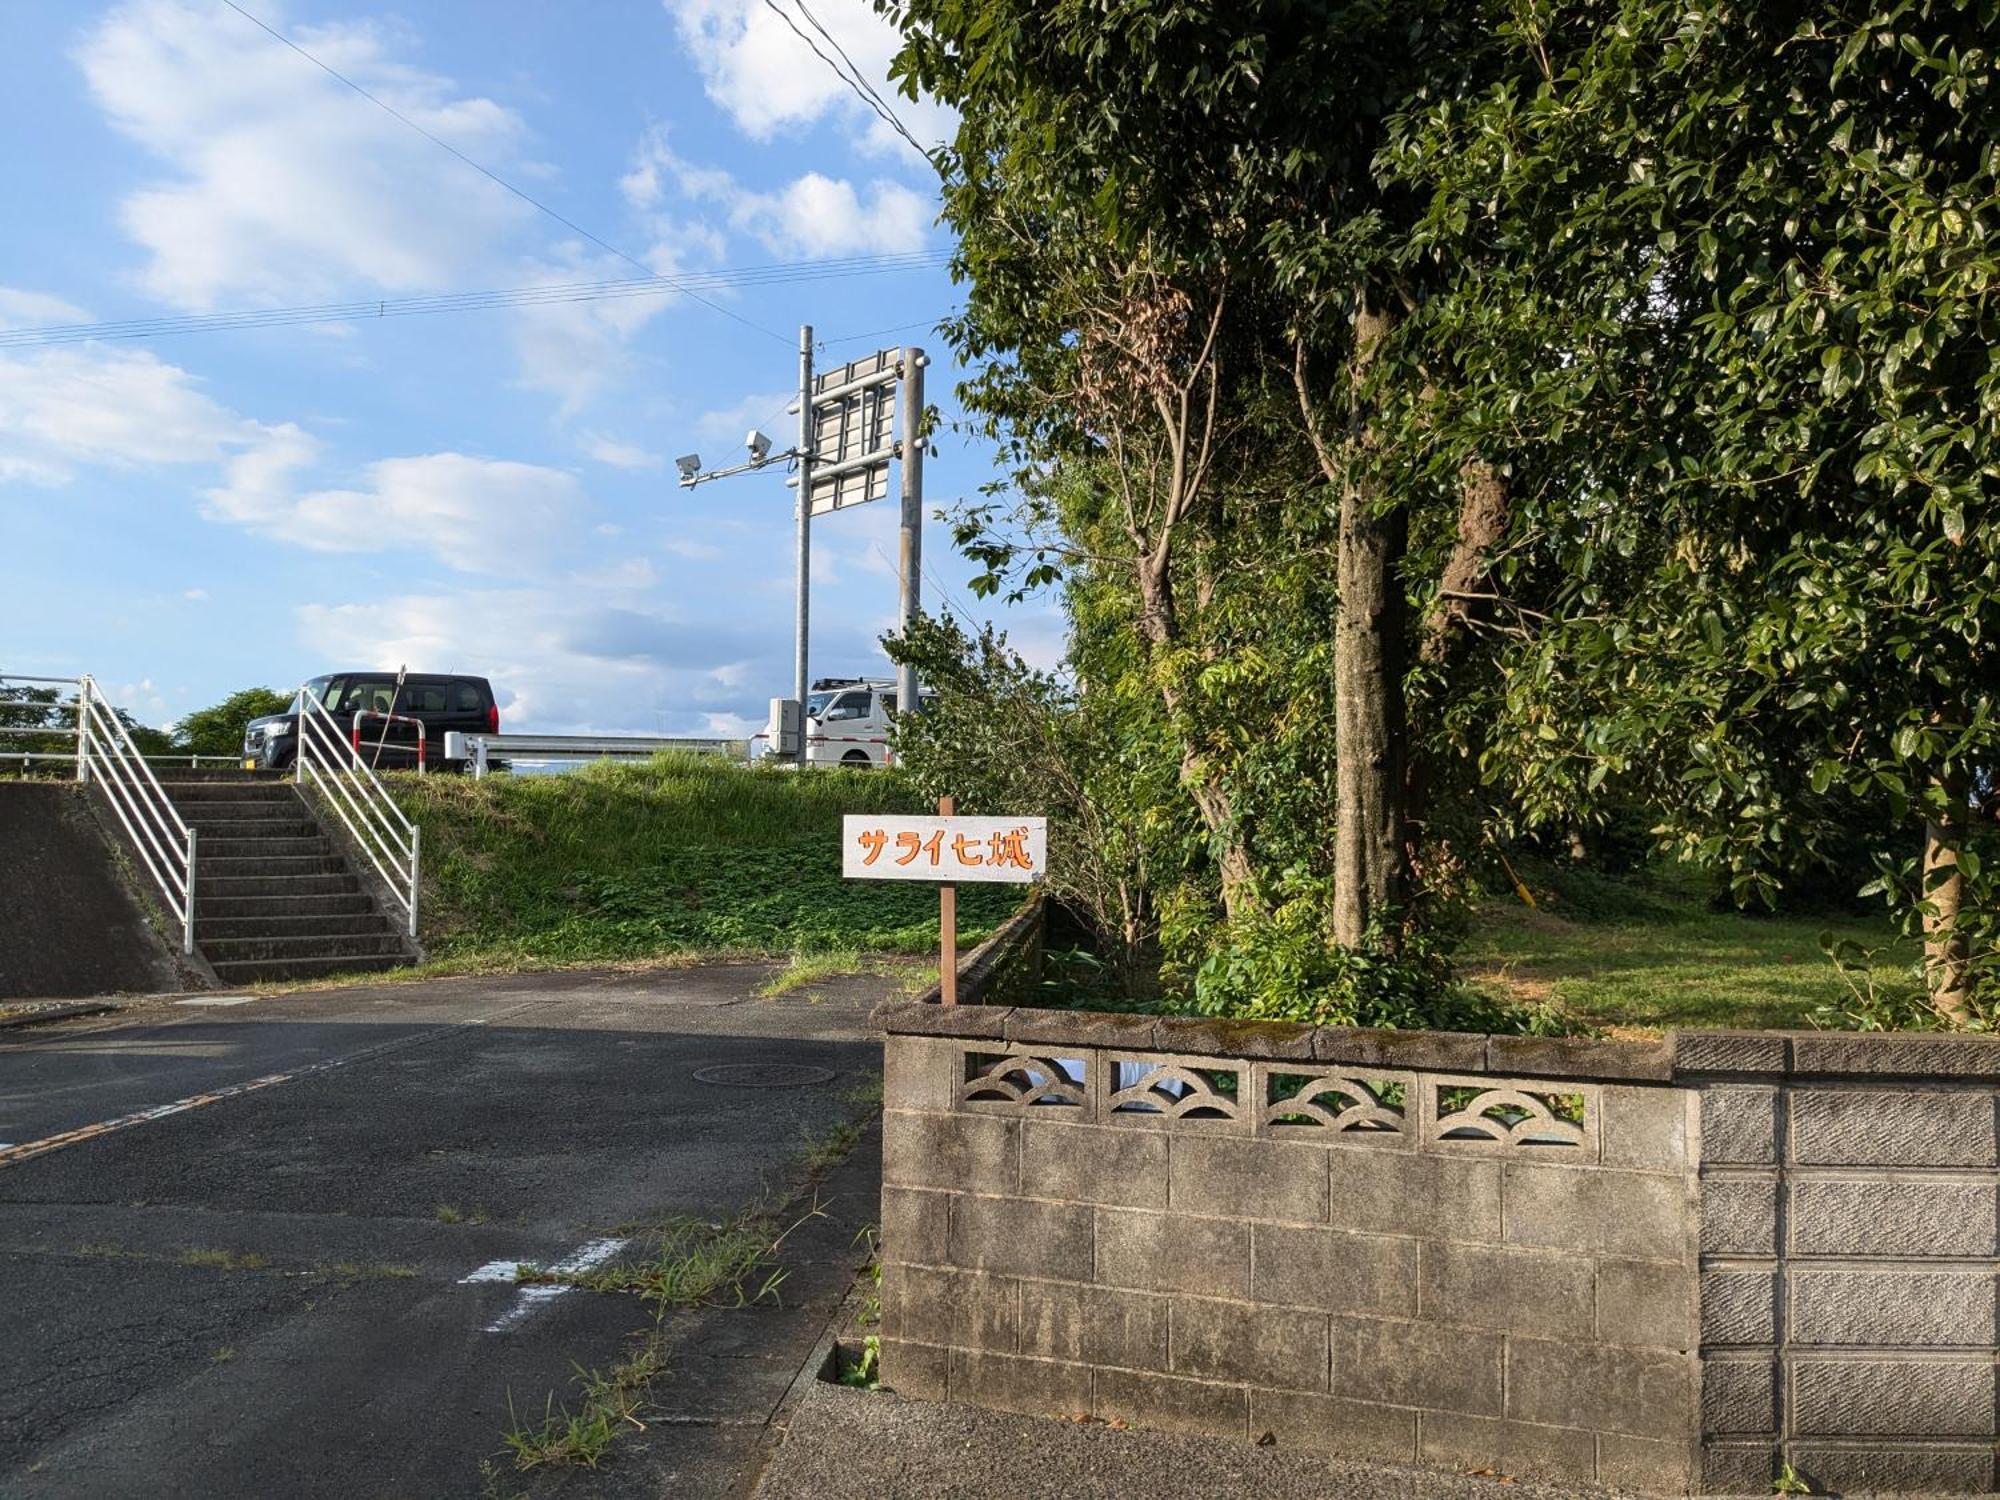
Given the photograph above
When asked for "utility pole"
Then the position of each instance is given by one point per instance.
(803, 556)
(911, 552)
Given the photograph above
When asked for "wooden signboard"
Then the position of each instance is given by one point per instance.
(948, 850)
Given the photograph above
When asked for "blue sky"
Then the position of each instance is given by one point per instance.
(483, 491)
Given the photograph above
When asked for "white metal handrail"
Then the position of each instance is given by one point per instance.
(166, 845)
(391, 841)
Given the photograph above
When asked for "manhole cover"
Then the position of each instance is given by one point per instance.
(763, 1075)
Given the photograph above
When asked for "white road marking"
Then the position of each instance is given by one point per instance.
(218, 1000)
(538, 1295)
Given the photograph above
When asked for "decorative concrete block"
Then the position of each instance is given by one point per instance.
(1739, 1395)
(916, 1226)
(1739, 1307)
(1514, 1448)
(1395, 1192)
(1594, 1209)
(918, 1073)
(1333, 1270)
(1933, 1470)
(1915, 1308)
(1728, 1052)
(1248, 1179)
(1893, 1398)
(1739, 1215)
(919, 1371)
(1150, 1252)
(1578, 1057)
(1738, 1468)
(1654, 1465)
(1739, 1124)
(1332, 1104)
(1512, 1117)
(1417, 1364)
(1334, 1424)
(1088, 1164)
(1892, 1127)
(1640, 1392)
(1188, 1095)
(1021, 1085)
(1518, 1291)
(1646, 1128)
(1904, 1215)
(1168, 1403)
(1038, 1387)
(1276, 1347)
(1647, 1303)
(1022, 1237)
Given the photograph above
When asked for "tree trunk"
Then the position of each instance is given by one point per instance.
(1947, 948)
(1482, 525)
(1368, 720)
(1158, 626)
(1368, 646)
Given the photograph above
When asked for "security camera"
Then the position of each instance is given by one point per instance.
(689, 464)
(759, 446)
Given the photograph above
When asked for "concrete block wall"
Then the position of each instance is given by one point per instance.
(1674, 1267)
(1444, 1263)
(1848, 1259)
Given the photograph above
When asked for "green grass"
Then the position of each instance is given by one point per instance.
(1650, 954)
(680, 855)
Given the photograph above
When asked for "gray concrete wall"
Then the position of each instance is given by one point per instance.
(69, 924)
(1669, 1266)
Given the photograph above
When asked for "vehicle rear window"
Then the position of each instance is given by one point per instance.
(468, 698)
(424, 700)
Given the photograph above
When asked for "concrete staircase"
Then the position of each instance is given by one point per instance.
(275, 899)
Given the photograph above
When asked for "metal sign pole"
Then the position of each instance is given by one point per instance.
(804, 552)
(947, 929)
(912, 535)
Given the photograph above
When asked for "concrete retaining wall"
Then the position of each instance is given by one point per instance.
(1672, 1266)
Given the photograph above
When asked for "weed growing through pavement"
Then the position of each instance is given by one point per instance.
(223, 1355)
(224, 1260)
(608, 1403)
(692, 1263)
(865, 1373)
(444, 1213)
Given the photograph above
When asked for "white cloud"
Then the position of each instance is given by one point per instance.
(693, 551)
(284, 184)
(565, 663)
(72, 406)
(764, 409)
(617, 454)
(812, 217)
(195, 596)
(818, 216)
(477, 515)
(768, 80)
(24, 309)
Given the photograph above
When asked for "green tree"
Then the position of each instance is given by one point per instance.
(218, 729)
(1720, 300)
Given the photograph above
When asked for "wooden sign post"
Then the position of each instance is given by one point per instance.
(947, 849)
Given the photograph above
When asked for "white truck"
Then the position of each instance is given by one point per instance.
(847, 722)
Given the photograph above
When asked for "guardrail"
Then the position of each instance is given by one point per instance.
(477, 750)
(105, 754)
(393, 844)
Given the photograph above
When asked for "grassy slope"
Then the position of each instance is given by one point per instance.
(1652, 955)
(679, 855)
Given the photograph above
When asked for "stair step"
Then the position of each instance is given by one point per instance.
(234, 908)
(312, 945)
(263, 849)
(256, 882)
(253, 828)
(253, 971)
(209, 931)
(241, 810)
(236, 867)
(245, 790)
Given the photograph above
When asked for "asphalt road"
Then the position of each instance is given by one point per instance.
(242, 1245)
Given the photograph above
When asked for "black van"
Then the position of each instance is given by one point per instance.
(441, 703)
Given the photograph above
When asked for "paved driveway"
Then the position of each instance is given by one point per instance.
(242, 1244)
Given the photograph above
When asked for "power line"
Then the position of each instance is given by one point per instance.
(547, 293)
(857, 84)
(485, 172)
